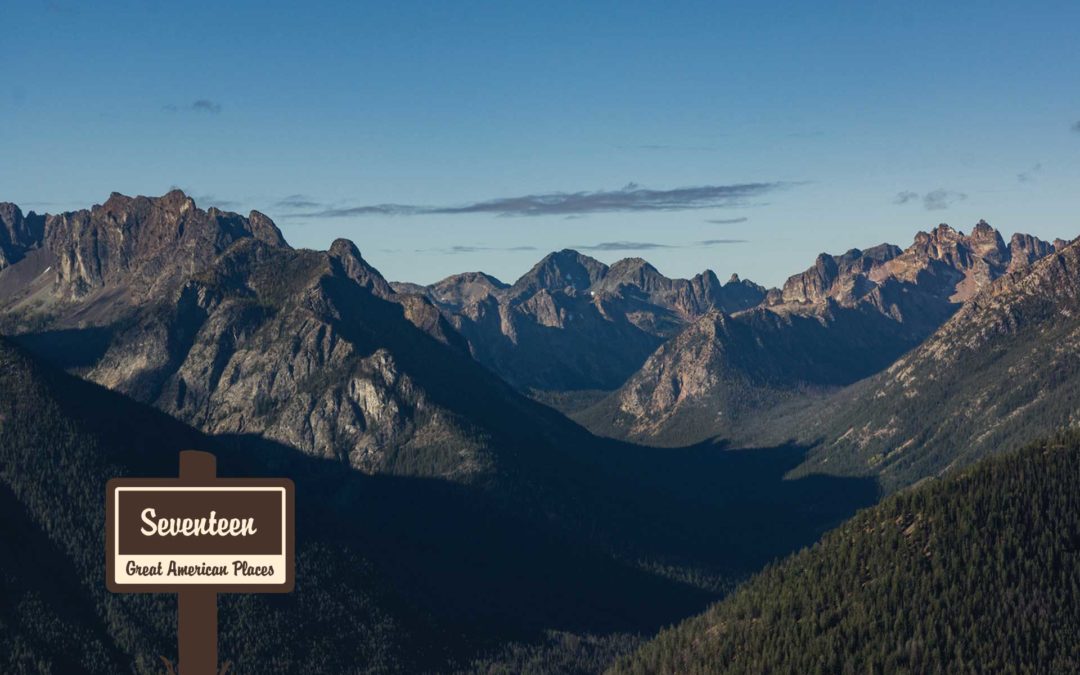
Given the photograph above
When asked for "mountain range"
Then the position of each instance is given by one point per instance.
(495, 477)
(844, 319)
(573, 323)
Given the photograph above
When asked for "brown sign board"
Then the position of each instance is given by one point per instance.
(229, 535)
(199, 535)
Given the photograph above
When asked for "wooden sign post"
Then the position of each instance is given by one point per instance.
(199, 535)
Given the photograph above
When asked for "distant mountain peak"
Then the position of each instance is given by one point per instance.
(559, 270)
(356, 268)
(473, 277)
(636, 271)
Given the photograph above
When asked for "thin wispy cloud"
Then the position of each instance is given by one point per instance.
(623, 246)
(202, 105)
(210, 200)
(608, 246)
(662, 147)
(1030, 174)
(939, 199)
(601, 247)
(297, 201)
(935, 200)
(207, 106)
(727, 221)
(629, 199)
(474, 249)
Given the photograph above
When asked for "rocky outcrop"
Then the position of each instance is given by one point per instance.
(353, 266)
(144, 245)
(18, 234)
(1025, 249)
(837, 277)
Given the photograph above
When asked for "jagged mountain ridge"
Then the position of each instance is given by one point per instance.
(1001, 371)
(574, 323)
(845, 318)
(214, 319)
(139, 246)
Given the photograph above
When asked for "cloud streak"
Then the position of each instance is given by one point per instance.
(601, 247)
(202, 105)
(297, 201)
(652, 246)
(935, 200)
(663, 147)
(630, 199)
(939, 199)
(624, 246)
(727, 221)
(1030, 174)
(451, 250)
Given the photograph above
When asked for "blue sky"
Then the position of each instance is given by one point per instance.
(452, 136)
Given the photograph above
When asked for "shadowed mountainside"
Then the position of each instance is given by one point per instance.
(394, 573)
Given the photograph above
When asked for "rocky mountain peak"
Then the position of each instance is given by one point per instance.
(561, 270)
(1025, 249)
(461, 290)
(983, 229)
(958, 250)
(813, 285)
(18, 233)
(346, 254)
(943, 232)
(137, 242)
(986, 243)
(636, 272)
(264, 229)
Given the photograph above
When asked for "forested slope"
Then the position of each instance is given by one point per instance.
(975, 573)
